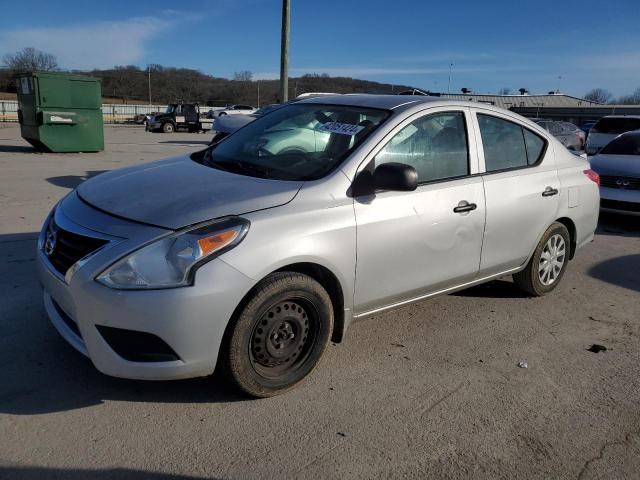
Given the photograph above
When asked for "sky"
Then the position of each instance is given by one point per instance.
(566, 45)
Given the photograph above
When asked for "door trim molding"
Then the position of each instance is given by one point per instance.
(456, 288)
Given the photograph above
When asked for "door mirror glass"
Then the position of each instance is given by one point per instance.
(395, 177)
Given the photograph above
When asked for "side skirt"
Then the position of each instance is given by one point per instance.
(440, 292)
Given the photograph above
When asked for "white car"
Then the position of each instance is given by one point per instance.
(234, 110)
(608, 128)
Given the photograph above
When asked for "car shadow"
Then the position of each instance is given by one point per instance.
(41, 373)
(39, 473)
(618, 224)
(72, 181)
(493, 289)
(621, 271)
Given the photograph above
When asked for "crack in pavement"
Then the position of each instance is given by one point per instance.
(600, 456)
(428, 410)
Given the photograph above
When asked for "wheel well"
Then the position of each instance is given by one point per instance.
(567, 222)
(331, 284)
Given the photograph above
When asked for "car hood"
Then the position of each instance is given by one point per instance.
(617, 165)
(178, 192)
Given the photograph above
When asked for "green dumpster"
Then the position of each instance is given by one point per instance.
(59, 112)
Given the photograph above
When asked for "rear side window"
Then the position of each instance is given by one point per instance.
(624, 145)
(616, 125)
(507, 145)
(534, 145)
(435, 145)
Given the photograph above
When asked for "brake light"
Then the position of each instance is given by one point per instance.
(593, 176)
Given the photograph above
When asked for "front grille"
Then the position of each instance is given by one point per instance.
(618, 205)
(624, 183)
(64, 248)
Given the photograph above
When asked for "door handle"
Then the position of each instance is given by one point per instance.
(464, 206)
(549, 192)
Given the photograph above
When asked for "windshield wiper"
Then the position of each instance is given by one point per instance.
(236, 166)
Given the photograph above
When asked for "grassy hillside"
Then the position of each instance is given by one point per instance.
(168, 84)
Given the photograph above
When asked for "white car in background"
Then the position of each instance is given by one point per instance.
(235, 110)
(608, 128)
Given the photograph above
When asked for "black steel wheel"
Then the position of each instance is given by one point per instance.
(284, 337)
(280, 336)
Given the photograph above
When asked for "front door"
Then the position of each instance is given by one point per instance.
(412, 243)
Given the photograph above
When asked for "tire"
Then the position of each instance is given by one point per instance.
(279, 336)
(168, 127)
(548, 262)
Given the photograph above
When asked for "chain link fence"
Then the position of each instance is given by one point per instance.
(110, 113)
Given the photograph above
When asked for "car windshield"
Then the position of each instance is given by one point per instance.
(623, 145)
(295, 142)
(616, 125)
(170, 109)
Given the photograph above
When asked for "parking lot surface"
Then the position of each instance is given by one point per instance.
(429, 390)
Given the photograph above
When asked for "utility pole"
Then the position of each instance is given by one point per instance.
(284, 52)
(450, 68)
(149, 84)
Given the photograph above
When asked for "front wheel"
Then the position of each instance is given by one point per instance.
(280, 335)
(168, 128)
(548, 262)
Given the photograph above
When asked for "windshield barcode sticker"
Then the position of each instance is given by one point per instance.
(341, 128)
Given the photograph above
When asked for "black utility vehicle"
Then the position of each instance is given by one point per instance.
(185, 116)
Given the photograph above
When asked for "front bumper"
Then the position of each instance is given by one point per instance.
(190, 320)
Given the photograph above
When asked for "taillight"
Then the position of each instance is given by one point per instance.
(593, 176)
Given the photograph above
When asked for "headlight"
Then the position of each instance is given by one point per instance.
(171, 261)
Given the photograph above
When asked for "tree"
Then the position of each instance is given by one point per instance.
(29, 60)
(504, 91)
(599, 95)
(243, 76)
(633, 99)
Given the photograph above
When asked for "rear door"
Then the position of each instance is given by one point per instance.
(413, 243)
(521, 189)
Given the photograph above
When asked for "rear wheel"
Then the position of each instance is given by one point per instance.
(168, 128)
(548, 262)
(280, 335)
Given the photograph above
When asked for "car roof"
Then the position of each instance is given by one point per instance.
(631, 133)
(393, 102)
(621, 116)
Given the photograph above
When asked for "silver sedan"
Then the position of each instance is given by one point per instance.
(255, 253)
(618, 164)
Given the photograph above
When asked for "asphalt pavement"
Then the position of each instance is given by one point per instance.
(430, 390)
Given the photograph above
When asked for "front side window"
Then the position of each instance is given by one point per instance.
(508, 145)
(303, 141)
(435, 145)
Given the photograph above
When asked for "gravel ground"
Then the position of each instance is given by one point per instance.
(429, 390)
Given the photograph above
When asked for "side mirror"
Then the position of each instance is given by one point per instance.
(395, 177)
